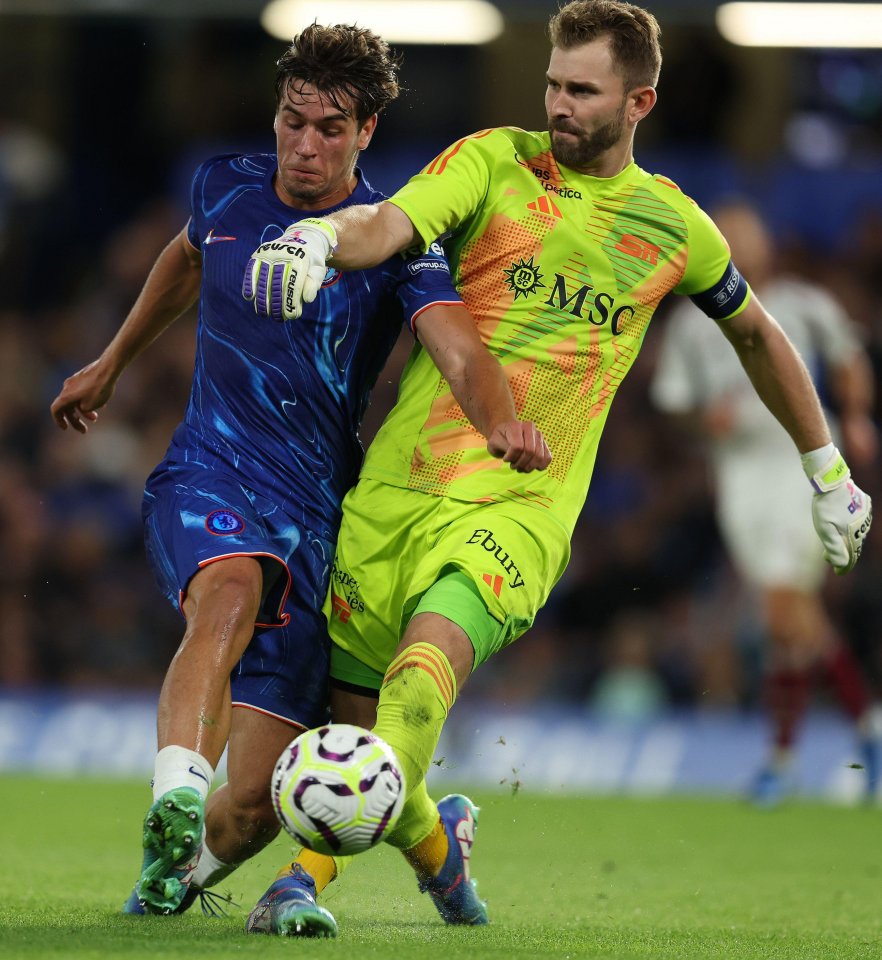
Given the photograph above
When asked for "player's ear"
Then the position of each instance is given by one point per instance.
(366, 131)
(641, 100)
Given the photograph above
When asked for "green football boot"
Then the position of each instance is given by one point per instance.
(173, 830)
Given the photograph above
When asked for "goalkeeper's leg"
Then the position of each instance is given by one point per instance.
(436, 656)
(435, 839)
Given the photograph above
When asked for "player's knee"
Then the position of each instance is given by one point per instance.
(230, 588)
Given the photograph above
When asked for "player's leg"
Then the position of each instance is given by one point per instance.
(193, 724)
(832, 660)
(787, 688)
(279, 689)
(418, 672)
(221, 607)
(433, 661)
(774, 548)
(205, 557)
(240, 821)
(842, 671)
(353, 695)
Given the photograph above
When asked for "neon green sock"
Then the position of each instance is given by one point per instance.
(417, 821)
(417, 693)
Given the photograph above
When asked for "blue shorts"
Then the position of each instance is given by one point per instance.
(193, 516)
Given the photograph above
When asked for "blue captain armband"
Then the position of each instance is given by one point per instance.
(726, 297)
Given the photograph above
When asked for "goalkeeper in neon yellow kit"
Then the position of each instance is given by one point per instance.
(562, 249)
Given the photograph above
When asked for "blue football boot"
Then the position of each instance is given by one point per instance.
(288, 909)
(452, 892)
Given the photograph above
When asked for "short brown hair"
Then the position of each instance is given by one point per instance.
(343, 63)
(633, 32)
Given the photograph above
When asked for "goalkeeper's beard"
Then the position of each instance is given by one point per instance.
(586, 147)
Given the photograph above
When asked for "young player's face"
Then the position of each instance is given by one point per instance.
(587, 105)
(317, 145)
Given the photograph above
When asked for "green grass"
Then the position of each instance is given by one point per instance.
(565, 877)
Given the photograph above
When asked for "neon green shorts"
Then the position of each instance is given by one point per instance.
(395, 543)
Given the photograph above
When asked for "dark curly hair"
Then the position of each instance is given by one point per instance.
(351, 66)
(633, 32)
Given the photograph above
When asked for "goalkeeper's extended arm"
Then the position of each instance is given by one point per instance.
(284, 274)
(841, 511)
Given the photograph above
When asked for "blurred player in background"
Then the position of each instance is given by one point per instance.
(763, 501)
(242, 516)
(562, 248)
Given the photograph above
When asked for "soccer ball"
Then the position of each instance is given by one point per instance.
(338, 789)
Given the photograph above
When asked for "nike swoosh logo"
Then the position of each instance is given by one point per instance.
(211, 238)
(197, 773)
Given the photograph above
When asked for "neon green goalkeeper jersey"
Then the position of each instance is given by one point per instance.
(562, 273)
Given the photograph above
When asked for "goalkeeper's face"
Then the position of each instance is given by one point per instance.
(317, 145)
(589, 110)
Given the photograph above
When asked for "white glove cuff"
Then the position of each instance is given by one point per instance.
(324, 227)
(825, 467)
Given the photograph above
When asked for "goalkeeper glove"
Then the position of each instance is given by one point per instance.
(284, 274)
(841, 511)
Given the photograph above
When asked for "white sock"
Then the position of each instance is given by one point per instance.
(210, 870)
(179, 767)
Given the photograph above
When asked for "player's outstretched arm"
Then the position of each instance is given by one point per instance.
(479, 384)
(842, 512)
(171, 287)
(286, 273)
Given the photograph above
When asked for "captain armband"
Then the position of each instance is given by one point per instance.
(725, 297)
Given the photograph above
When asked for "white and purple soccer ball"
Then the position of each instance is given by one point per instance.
(338, 789)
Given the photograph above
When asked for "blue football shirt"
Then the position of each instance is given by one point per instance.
(278, 405)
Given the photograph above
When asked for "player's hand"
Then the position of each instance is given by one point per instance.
(520, 444)
(81, 396)
(842, 513)
(284, 274)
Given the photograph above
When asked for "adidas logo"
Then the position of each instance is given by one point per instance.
(494, 582)
(545, 205)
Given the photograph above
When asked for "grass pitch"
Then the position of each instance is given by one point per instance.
(565, 877)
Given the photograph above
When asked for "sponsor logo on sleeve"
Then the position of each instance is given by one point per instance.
(416, 267)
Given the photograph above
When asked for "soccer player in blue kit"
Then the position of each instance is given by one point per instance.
(241, 517)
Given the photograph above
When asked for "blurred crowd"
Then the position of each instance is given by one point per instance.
(648, 616)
